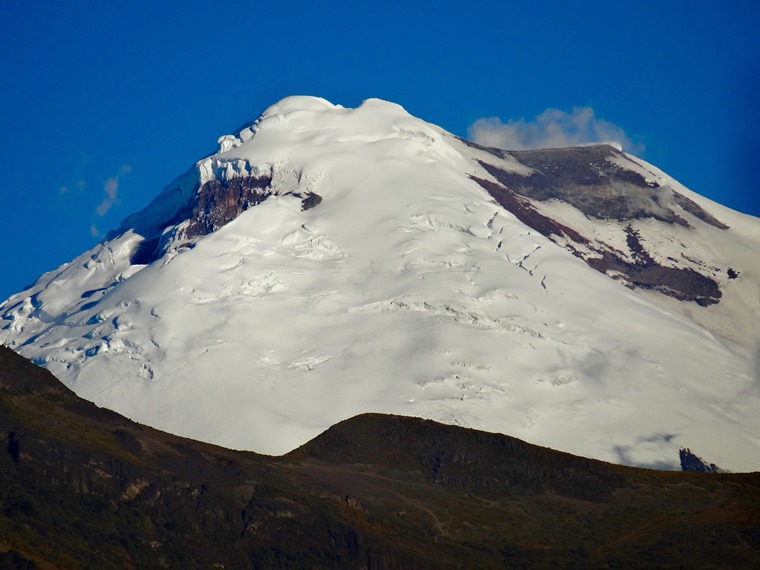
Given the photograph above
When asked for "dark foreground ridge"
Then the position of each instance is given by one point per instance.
(85, 487)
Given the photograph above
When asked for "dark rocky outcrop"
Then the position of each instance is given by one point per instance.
(218, 202)
(212, 206)
(692, 462)
(310, 200)
(86, 488)
(585, 178)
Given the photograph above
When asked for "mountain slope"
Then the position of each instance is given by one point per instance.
(328, 262)
(85, 487)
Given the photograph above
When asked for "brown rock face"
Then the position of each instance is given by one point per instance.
(218, 202)
(212, 206)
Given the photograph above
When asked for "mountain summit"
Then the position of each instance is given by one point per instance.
(326, 262)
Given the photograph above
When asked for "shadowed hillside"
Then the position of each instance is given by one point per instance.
(85, 487)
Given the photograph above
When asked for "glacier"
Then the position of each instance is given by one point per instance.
(408, 289)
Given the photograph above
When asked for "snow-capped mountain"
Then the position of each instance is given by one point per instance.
(330, 261)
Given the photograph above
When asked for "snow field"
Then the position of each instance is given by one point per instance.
(407, 290)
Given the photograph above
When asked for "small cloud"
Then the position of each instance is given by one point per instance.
(111, 192)
(110, 197)
(551, 129)
(77, 186)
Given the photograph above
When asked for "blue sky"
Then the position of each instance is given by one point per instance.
(102, 103)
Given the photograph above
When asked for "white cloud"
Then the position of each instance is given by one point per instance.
(110, 197)
(111, 192)
(78, 185)
(551, 129)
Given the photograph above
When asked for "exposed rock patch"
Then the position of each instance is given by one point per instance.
(213, 205)
(680, 283)
(527, 214)
(218, 202)
(310, 200)
(692, 462)
(586, 179)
